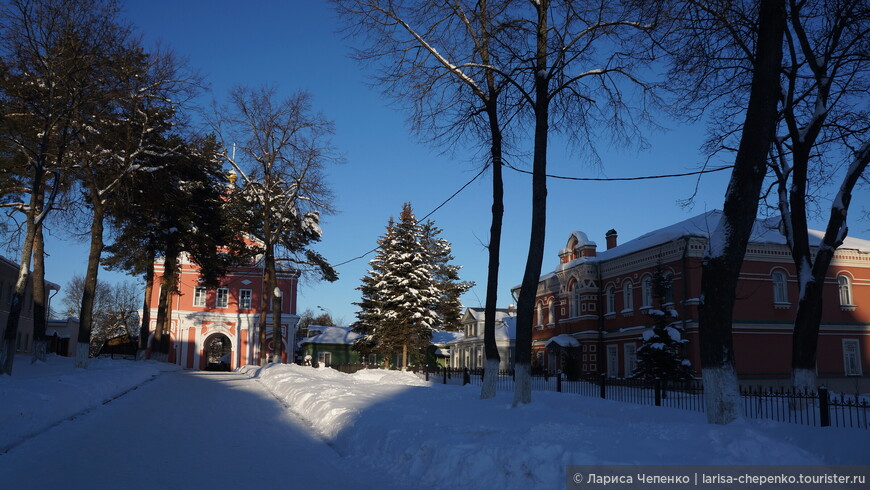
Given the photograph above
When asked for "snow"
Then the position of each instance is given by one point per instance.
(331, 335)
(563, 340)
(39, 395)
(705, 226)
(381, 424)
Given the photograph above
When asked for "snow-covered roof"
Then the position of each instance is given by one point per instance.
(581, 239)
(506, 328)
(563, 340)
(331, 335)
(442, 337)
(477, 313)
(764, 231)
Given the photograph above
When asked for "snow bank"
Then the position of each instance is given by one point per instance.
(40, 395)
(446, 437)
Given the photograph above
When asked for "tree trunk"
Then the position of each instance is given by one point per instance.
(7, 350)
(532, 274)
(493, 360)
(277, 301)
(809, 313)
(160, 343)
(721, 268)
(89, 289)
(145, 326)
(265, 300)
(39, 348)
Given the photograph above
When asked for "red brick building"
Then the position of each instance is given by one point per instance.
(228, 315)
(601, 298)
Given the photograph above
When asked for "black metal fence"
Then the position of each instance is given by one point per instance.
(819, 409)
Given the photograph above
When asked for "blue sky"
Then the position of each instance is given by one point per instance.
(295, 45)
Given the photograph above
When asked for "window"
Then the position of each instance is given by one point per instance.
(324, 358)
(198, 296)
(845, 290)
(646, 291)
(669, 287)
(628, 296)
(223, 298)
(244, 299)
(612, 361)
(551, 314)
(611, 299)
(851, 359)
(372, 359)
(540, 314)
(780, 291)
(575, 301)
(630, 351)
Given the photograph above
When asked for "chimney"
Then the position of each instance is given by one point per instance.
(611, 236)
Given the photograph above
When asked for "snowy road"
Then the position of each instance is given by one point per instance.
(184, 430)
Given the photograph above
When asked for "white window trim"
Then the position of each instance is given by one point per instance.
(779, 281)
(242, 297)
(627, 297)
(226, 298)
(646, 292)
(630, 360)
(849, 303)
(610, 300)
(199, 296)
(857, 354)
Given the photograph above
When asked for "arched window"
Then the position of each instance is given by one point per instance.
(575, 300)
(780, 287)
(646, 291)
(551, 312)
(845, 290)
(611, 299)
(540, 314)
(669, 290)
(628, 296)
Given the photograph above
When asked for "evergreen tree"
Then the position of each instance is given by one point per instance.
(397, 312)
(446, 278)
(660, 355)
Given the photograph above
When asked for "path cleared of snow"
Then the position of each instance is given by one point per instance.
(39, 395)
(446, 437)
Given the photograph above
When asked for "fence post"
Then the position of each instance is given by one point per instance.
(658, 392)
(603, 391)
(426, 371)
(466, 377)
(559, 381)
(824, 413)
(445, 376)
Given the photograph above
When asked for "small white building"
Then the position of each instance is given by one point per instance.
(468, 351)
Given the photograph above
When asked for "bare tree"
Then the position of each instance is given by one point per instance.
(518, 59)
(825, 125)
(441, 57)
(283, 150)
(728, 55)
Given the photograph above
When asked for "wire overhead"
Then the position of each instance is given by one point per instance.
(560, 177)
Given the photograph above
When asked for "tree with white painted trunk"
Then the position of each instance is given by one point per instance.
(280, 149)
(823, 141)
(580, 58)
(456, 90)
(729, 55)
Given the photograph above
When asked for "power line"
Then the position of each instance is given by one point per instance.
(427, 215)
(561, 177)
(616, 179)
